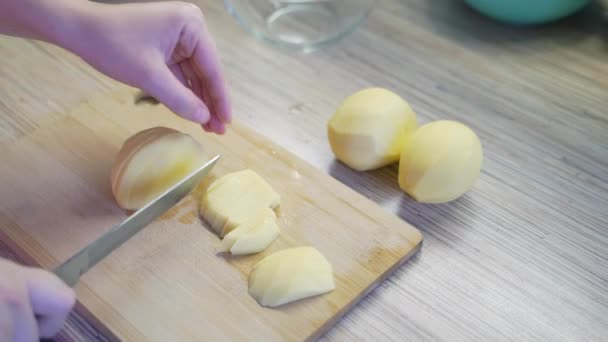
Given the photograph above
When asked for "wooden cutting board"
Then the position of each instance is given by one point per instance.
(167, 283)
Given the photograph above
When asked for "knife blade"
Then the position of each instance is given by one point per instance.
(71, 270)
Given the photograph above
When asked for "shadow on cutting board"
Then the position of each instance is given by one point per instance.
(446, 222)
(377, 185)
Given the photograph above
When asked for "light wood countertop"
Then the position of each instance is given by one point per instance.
(524, 255)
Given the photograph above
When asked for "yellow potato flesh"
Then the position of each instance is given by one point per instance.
(369, 129)
(440, 162)
(235, 198)
(152, 161)
(290, 275)
(254, 235)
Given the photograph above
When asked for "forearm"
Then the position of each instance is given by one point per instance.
(54, 21)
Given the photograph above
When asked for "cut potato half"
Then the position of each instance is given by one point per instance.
(152, 161)
(289, 275)
(254, 235)
(235, 198)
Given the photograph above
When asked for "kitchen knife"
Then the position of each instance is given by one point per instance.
(71, 270)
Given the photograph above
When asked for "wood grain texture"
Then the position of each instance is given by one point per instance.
(522, 256)
(169, 282)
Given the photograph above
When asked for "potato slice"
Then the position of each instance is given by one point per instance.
(440, 162)
(289, 275)
(369, 128)
(235, 198)
(254, 235)
(152, 161)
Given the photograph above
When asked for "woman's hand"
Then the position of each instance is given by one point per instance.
(163, 48)
(33, 303)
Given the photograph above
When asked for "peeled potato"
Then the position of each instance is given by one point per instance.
(152, 161)
(370, 127)
(235, 198)
(254, 235)
(290, 275)
(440, 162)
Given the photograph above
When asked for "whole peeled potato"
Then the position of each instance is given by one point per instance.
(440, 162)
(370, 127)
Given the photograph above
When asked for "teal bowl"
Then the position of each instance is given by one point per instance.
(523, 12)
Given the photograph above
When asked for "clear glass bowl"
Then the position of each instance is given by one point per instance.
(300, 24)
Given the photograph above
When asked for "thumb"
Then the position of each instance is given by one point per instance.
(50, 298)
(164, 86)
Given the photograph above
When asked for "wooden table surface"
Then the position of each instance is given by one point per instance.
(524, 255)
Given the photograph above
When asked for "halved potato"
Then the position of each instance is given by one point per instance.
(254, 235)
(289, 275)
(235, 198)
(152, 161)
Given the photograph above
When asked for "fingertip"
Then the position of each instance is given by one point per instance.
(227, 117)
(217, 126)
(222, 106)
(226, 111)
(222, 129)
(214, 126)
(167, 85)
(70, 299)
(43, 283)
(201, 114)
(223, 110)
